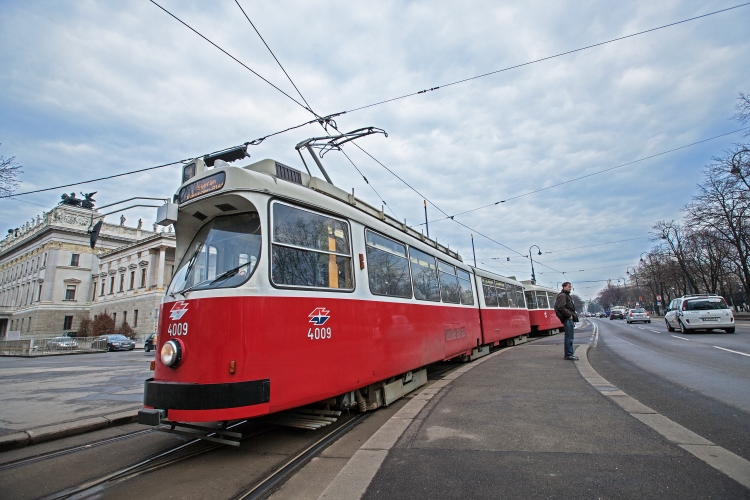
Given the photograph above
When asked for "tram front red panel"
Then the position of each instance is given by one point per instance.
(309, 348)
(501, 324)
(544, 319)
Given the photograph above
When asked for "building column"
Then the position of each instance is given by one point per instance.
(160, 271)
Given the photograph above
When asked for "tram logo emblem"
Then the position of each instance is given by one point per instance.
(178, 310)
(319, 316)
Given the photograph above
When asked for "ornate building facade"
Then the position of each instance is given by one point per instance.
(46, 267)
(130, 281)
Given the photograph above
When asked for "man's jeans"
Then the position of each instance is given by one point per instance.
(569, 337)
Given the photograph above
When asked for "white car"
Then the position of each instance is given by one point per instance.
(635, 315)
(699, 312)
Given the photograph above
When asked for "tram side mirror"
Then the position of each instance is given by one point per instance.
(166, 214)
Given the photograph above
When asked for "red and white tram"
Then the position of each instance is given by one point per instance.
(541, 304)
(290, 291)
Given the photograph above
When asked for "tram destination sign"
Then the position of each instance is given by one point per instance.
(203, 186)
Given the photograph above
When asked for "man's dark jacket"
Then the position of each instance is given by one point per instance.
(565, 309)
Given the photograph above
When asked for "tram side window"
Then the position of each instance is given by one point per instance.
(449, 290)
(310, 249)
(511, 295)
(552, 299)
(424, 275)
(541, 300)
(520, 302)
(387, 266)
(464, 283)
(531, 300)
(490, 294)
(502, 294)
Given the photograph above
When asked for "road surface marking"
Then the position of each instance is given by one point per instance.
(656, 331)
(729, 350)
(717, 457)
(681, 338)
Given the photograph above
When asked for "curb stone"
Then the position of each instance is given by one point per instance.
(57, 431)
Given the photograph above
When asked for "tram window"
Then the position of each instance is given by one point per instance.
(552, 299)
(502, 294)
(464, 282)
(387, 266)
(310, 249)
(541, 299)
(490, 294)
(520, 302)
(449, 290)
(531, 300)
(511, 295)
(223, 254)
(424, 275)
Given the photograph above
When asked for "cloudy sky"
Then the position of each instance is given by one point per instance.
(96, 88)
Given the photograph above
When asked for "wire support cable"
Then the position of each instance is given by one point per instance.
(516, 66)
(586, 176)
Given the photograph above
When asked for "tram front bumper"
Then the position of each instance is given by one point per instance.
(182, 396)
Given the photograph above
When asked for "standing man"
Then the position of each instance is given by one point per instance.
(565, 310)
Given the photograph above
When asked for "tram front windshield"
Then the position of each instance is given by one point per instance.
(223, 254)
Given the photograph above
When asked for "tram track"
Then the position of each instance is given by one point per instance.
(68, 451)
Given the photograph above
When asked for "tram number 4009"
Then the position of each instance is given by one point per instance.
(177, 329)
(319, 333)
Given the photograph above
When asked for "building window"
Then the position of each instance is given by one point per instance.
(21, 325)
(104, 283)
(112, 285)
(93, 295)
(44, 263)
(74, 258)
(114, 318)
(28, 328)
(125, 317)
(68, 323)
(143, 278)
(132, 280)
(135, 318)
(122, 282)
(70, 292)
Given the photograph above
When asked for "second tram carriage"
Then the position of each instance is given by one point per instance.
(290, 291)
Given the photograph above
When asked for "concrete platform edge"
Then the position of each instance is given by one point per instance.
(47, 433)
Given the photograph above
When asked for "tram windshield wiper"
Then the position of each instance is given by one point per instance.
(191, 263)
(230, 273)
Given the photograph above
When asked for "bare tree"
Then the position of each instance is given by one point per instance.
(743, 109)
(9, 172)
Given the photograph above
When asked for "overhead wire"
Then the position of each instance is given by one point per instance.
(585, 176)
(463, 80)
(309, 108)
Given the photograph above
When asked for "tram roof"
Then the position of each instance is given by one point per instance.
(279, 171)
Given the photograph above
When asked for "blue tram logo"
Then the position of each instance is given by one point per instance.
(319, 316)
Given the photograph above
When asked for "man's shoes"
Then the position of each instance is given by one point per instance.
(572, 358)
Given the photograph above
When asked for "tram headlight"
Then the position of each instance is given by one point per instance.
(171, 352)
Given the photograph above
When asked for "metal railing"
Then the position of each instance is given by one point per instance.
(51, 346)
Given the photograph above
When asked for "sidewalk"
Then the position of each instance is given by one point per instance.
(524, 423)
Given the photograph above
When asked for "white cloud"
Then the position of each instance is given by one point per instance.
(92, 89)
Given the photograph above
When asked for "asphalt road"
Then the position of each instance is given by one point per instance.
(54, 389)
(699, 380)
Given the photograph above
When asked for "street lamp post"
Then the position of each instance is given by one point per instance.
(619, 292)
(533, 276)
(678, 251)
(637, 286)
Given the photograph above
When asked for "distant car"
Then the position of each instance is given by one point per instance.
(114, 342)
(61, 343)
(70, 334)
(150, 343)
(699, 312)
(635, 315)
(617, 314)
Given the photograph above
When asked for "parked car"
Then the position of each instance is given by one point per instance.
(699, 312)
(150, 343)
(61, 343)
(635, 315)
(114, 342)
(617, 314)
